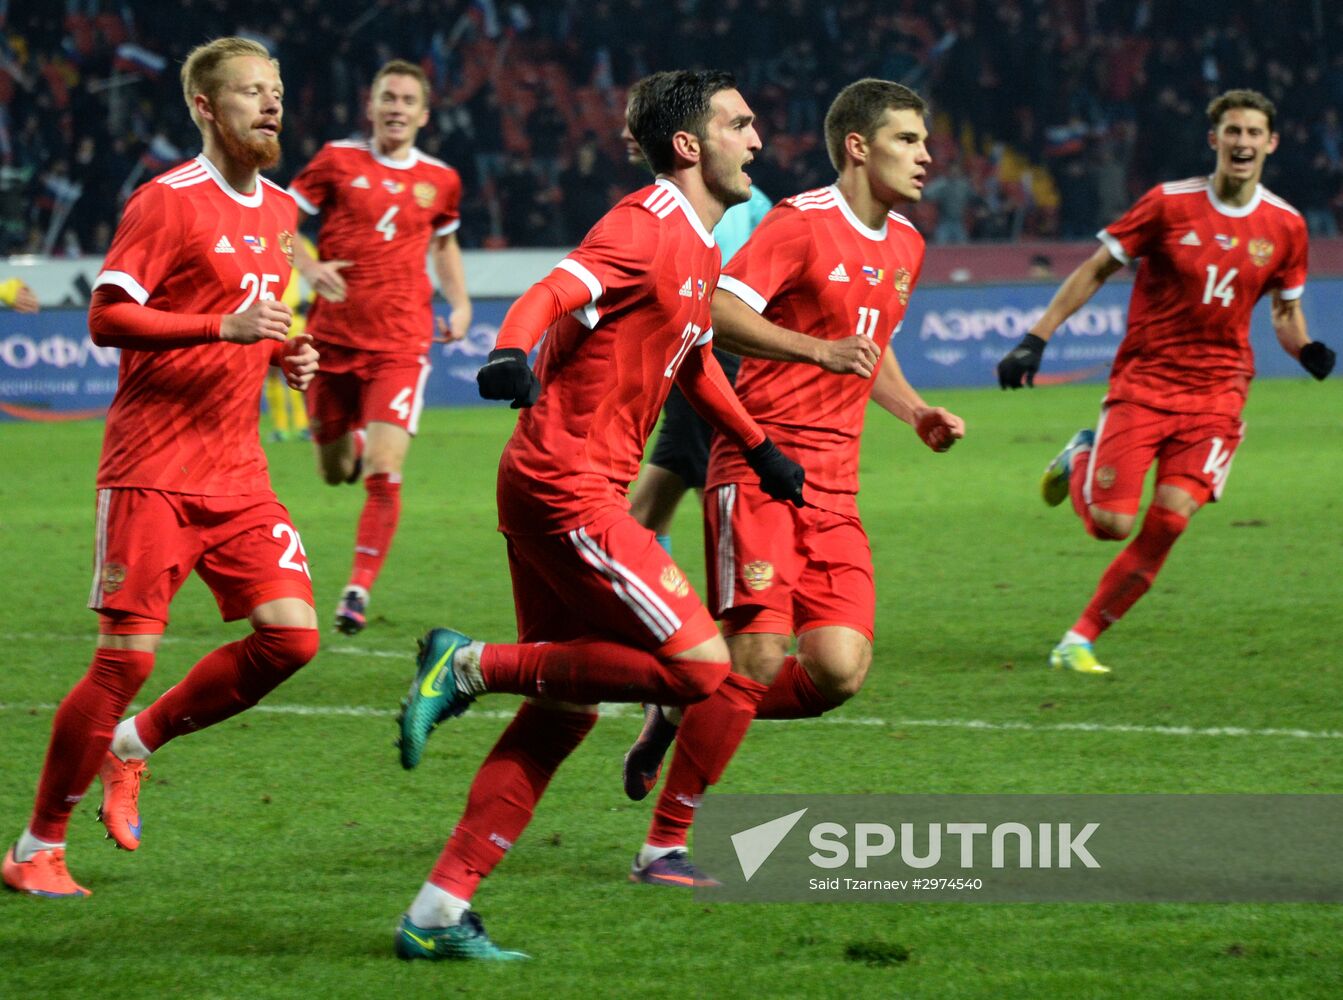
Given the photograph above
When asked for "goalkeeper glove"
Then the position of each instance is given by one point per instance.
(1317, 359)
(1020, 364)
(506, 375)
(780, 477)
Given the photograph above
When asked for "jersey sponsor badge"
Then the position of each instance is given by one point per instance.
(424, 194)
(360, 182)
(674, 581)
(839, 274)
(394, 187)
(1260, 251)
(902, 283)
(873, 274)
(758, 575)
(257, 243)
(701, 289)
(1226, 242)
(1190, 239)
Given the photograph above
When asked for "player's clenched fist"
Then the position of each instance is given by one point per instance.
(265, 319)
(853, 355)
(506, 375)
(939, 429)
(299, 362)
(780, 477)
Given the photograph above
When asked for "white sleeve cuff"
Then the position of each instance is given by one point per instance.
(1114, 246)
(1291, 294)
(743, 291)
(126, 283)
(449, 229)
(303, 202)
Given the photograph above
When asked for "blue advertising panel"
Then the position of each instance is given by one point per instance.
(952, 336)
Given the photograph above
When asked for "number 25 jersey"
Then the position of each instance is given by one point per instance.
(184, 420)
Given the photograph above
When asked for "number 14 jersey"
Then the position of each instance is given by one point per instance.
(1204, 264)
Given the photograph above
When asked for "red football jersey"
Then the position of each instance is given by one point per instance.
(1204, 266)
(606, 369)
(185, 420)
(380, 214)
(813, 267)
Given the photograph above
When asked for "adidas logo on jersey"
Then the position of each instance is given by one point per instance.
(224, 246)
(1190, 239)
(360, 182)
(839, 274)
(687, 290)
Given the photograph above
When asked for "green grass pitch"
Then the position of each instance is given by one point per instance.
(280, 847)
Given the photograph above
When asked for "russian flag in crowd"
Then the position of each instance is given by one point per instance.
(138, 59)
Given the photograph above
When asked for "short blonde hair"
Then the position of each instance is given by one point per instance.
(201, 73)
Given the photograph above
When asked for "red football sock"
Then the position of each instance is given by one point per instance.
(505, 792)
(82, 732)
(1077, 491)
(708, 736)
(1132, 572)
(377, 525)
(228, 681)
(793, 695)
(588, 671)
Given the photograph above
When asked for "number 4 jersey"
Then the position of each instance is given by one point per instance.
(1204, 264)
(184, 420)
(380, 215)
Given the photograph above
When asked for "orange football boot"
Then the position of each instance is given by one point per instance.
(44, 874)
(120, 811)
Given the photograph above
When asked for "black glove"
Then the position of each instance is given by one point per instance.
(780, 477)
(506, 375)
(1317, 359)
(1020, 364)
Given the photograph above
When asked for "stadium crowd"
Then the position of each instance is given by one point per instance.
(1049, 115)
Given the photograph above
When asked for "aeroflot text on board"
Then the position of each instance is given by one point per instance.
(1012, 323)
(21, 351)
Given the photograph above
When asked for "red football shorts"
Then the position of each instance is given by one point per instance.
(797, 568)
(608, 578)
(147, 542)
(1192, 451)
(354, 388)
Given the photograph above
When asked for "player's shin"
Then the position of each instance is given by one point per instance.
(505, 791)
(708, 736)
(1131, 573)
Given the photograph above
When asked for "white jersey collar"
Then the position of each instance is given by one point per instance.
(247, 200)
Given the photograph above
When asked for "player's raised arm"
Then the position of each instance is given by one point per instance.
(506, 373)
(1019, 365)
(740, 329)
(116, 319)
(1289, 323)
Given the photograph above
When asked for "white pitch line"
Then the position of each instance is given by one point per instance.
(982, 725)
